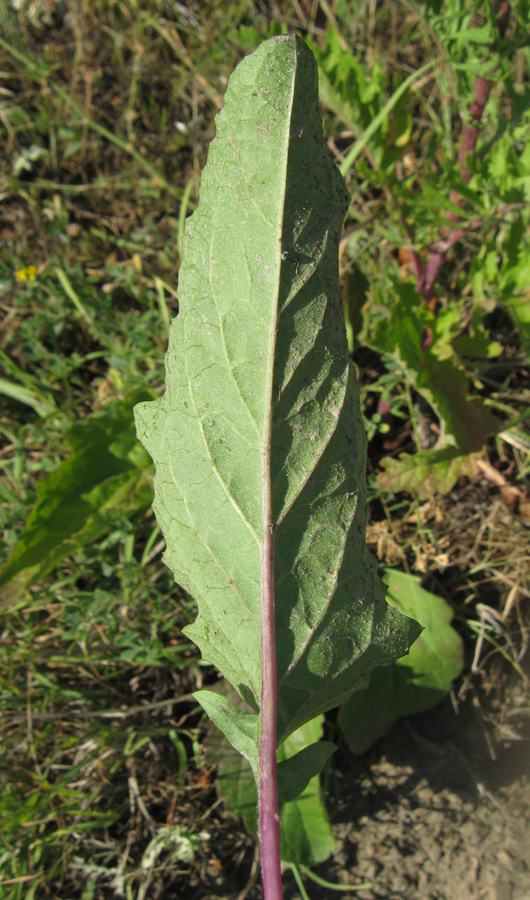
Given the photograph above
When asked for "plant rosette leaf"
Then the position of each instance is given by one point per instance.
(258, 441)
(307, 838)
(107, 476)
(412, 684)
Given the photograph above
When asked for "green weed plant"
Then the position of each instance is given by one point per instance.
(96, 193)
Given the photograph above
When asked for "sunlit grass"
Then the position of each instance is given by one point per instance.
(106, 114)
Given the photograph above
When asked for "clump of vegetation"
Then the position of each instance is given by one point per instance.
(109, 786)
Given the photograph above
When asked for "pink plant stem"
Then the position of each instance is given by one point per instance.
(481, 91)
(444, 244)
(269, 818)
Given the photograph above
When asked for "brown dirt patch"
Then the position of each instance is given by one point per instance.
(437, 810)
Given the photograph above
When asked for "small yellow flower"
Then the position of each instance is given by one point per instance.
(27, 274)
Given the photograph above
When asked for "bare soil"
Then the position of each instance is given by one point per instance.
(438, 810)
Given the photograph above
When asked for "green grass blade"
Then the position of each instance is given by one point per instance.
(359, 145)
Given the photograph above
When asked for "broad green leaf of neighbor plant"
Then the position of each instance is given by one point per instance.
(427, 472)
(258, 441)
(412, 684)
(106, 476)
(307, 837)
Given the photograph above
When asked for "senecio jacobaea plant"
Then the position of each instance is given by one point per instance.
(258, 440)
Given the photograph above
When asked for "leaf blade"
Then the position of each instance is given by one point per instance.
(307, 836)
(105, 477)
(414, 683)
(259, 351)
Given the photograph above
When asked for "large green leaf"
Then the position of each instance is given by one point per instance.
(259, 431)
(412, 684)
(307, 837)
(106, 477)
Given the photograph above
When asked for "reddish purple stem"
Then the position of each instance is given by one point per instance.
(269, 817)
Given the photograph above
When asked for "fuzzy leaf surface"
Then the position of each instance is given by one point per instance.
(262, 399)
(239, 726)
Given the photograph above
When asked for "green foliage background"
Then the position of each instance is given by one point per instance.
(107, 112)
